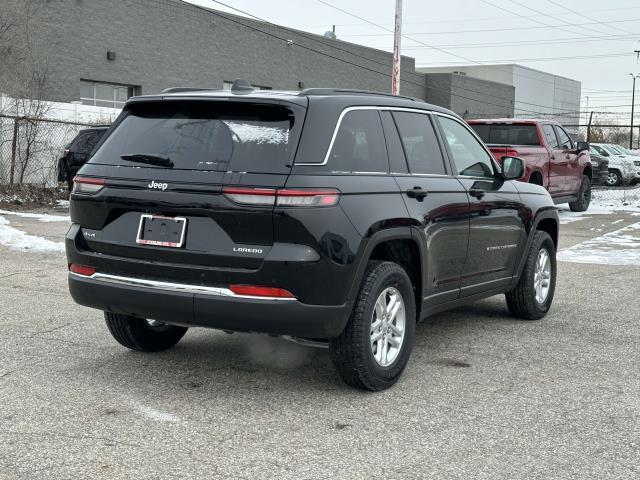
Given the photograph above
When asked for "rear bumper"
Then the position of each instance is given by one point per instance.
(194, 305)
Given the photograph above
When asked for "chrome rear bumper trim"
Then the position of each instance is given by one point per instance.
(170, 286)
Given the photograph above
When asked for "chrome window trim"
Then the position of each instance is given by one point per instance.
(355, 108)
(493, 160)
(170, 286)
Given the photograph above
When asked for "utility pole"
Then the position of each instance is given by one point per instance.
(397, 36)
(633, 104)
(589, 127)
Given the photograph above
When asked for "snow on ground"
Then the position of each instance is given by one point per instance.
(603, 202)
(19, 240)
(41, 217)
(621, 247)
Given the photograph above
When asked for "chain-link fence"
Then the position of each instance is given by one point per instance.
(30, 149)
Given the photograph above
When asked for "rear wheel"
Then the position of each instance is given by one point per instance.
(374, 348)
(141, 334)
(532, 297)
(584, 196)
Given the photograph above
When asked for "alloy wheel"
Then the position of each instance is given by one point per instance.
(542, 276)
(388, 327)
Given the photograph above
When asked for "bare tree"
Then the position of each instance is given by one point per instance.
(25, 73)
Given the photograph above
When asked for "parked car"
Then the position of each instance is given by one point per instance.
(600, 166)
(552, 159)
(622, 167)
(78, 152)
(335, 218)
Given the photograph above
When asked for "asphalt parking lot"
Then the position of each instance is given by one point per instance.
(484, 395)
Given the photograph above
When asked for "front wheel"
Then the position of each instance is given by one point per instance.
(584, 196)
(532, 297)
(374, 348)
(141, 334)
(614, 179)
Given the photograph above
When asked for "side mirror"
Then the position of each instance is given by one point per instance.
(512, 168)
(582, 146)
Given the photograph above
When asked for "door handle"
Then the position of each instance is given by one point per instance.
(417, 192)
(477, 192)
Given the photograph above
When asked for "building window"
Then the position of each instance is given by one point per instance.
(105, 94)
(227, 86)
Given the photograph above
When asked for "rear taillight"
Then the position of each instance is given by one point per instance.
(250, 196)
(65, 154)
(284, 197)
(83, 270)
(307, 197)
(87, 185)
(258, 291)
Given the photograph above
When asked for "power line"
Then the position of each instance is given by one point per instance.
(538, 12)
(548, 59)
(582, 14)
(531, 42)
(502, 29)
(421, 85)
(477, 100)
(476, 20)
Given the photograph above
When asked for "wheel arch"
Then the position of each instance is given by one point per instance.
(535, 175)
(546, 220)
(397, 245)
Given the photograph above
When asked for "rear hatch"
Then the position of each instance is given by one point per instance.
(170, 159)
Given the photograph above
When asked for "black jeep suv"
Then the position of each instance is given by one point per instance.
(326, 216)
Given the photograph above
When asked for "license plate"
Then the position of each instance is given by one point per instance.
(161, 231)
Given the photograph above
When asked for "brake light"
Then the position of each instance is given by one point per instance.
(309, 197)
(83, 270)
(284, 197)
(250, 196)
(258, 291)
(65, 153)
(87, 185)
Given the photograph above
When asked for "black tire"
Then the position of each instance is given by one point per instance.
(584, 196)
(352, 352)
(522, 300)
(137, 334)
(615, 178)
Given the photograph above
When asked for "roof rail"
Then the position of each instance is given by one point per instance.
(186, 89)
(347, 91)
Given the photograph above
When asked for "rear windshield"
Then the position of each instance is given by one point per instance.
(504, 134)
(214, 136)
(86, 140)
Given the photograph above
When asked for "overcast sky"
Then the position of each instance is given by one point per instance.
(596, 47)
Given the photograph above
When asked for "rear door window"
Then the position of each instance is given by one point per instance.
(421, 147)
(214, 136)
(506, 134)
(550, 135)
(359, 144)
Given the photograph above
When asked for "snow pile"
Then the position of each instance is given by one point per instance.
(18, 240)
(41, 217)
(621, 247)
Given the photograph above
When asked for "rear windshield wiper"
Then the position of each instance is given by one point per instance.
(148, 158)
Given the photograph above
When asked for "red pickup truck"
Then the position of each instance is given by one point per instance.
(552, 159)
